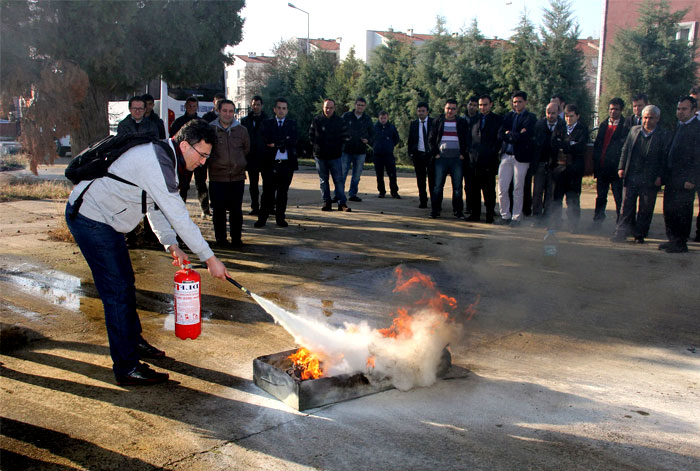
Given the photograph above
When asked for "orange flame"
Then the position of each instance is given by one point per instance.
(401, 325)
(308, 363)
(370, 362)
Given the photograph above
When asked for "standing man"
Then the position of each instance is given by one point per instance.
(136, 121)
(682, 177)
(544, 161)
(327, 134)
(483, 161)
(517, 134)
(419, 152)
(644, 156)
(279, 163)
(472, 116)
(450, 140)
(227, 174)
(200, 173)
(385, 139)
(570, 142)
(152, 115)
(253, 123)
(606, 158)
(695, 93)
(639, 101)
(109, 209)
(559, 100)
(211, 115)
(355, 150)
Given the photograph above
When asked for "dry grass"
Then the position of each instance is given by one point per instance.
(12, 162)
(29, 188)
(61, 233)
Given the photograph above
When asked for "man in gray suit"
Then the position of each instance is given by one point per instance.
(682, 177)
(641, 167)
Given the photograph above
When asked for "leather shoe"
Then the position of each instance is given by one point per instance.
(142, 375)
(639, 240)
(664, 245)
(396, 196)
(282, 223)
(259, 223)
(381, 195)
(434, 215)
(677, 248)
(342, 207)
(357, 199)
(472, 218)
(146, 350)
(327, 207)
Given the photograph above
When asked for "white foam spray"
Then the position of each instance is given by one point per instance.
(409, 359)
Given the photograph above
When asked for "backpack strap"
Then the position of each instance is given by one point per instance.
(79, 200)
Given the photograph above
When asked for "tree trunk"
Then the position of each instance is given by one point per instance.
(94, 120)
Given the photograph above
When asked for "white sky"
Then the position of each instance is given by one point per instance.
(270, 21)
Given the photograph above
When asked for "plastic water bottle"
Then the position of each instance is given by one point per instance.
(550, 247)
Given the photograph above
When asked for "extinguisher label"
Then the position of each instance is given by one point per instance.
(187, 307)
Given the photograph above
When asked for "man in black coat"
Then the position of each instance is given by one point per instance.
(483, 161)
(544, 161)
(517, 133)
(253, 123)
(606, 157)
(570, 142)
(639, 101)
(642, 163)
(137, 122)
(279, 163)
(419, 152)
(682, 177)
(152, 115)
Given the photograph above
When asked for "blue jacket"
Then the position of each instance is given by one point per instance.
(386, 137)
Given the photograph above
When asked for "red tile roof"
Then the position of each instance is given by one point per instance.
(326, 44)
(254, 59)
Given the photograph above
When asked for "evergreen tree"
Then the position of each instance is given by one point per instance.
(649, 59)
(343, 84)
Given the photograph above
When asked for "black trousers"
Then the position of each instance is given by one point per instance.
(200, 181)
(425, 168)
(481, 180)
(253, 188)
(386, 162)
(227, 196)
(276, 182)
(635, 221)
(678, 214)
(604, 183)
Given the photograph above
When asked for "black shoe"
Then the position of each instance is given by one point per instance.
(254, 212)
(381, 195)
(473, 218)
(343, 207)
(514, 223)
(489, 219)
(357, 199)
(396, 196)
(423, 204)
(236, 244)
(459, 214)
(282, 223)
(502, 222)
(222, 244)
(434, 215)
(664, 245)
(146, 350)
(639, 240)
(697, 237)
(327, 207)
(677, 248)
(259, 223)
(335, 199)
(142, 375)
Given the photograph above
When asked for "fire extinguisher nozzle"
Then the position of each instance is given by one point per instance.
(238, 285)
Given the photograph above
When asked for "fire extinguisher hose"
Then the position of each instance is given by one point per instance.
(238, 285)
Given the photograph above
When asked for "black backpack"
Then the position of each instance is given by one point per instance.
(93, 162)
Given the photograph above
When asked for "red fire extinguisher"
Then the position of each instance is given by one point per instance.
(188, 303)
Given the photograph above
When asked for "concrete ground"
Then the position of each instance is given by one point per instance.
(590, 364)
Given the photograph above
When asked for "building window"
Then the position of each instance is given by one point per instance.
(686, 32)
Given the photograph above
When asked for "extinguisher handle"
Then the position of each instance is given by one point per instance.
(238, 285)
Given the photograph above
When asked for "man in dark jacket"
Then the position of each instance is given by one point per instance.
(483, 161)
(517, 134)
(450, 140)
(682, 177)
(211, 115)
(385, 139)
(136, 121)
(152, 115)
(570, 142)
(544, 161)
(355, 149)
(641, 167)
(253, 123)
(606, 158)
(639, 101)
(327, 135)
(278, 164)
(419, 152)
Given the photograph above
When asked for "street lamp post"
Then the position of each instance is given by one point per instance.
(291, 5)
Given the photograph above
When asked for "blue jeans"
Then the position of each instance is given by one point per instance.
(106, 254)
(334, 169)
(443, 166)
(357, 161)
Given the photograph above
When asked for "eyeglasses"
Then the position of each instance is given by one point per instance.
(204, 156)
(133, 108)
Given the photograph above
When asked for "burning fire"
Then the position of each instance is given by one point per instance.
(308, 364)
